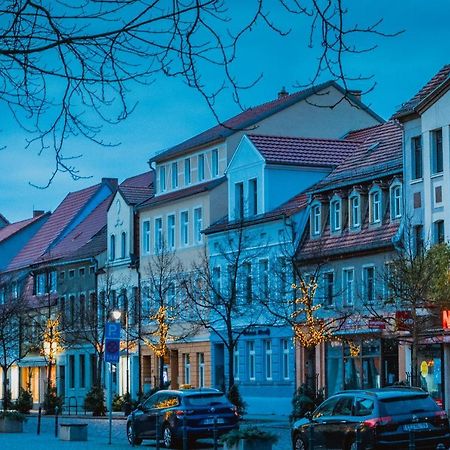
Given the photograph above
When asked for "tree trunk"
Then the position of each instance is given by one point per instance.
(5, 389)
(414, 348)
(161, 372)
(230, 346)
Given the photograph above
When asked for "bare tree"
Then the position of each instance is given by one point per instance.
(222, 293)
(66, 68)
(11, 319)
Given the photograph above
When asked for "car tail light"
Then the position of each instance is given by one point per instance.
(377, 421)
(181, 412)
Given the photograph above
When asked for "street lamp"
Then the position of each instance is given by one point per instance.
(116, 314)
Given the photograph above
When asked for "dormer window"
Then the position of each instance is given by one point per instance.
(215, 162)
(375, 205)
(253, 197)
(174, 175)
(315, 219)
(335, 214)
(396, 201)
(355, 211)
(162, 179)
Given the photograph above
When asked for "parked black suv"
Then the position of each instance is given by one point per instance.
(165, 413)
(385, 417)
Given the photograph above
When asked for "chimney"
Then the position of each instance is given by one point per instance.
(356, 93)
(38, 213)
(283, 93)
(112, 182)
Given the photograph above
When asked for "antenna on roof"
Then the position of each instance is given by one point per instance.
(283, 92)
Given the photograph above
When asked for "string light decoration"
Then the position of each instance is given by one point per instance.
(51, 339)
(162, 331)
(312, 331)
(355, 348)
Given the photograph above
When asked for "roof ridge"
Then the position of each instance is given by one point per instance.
(275, 136)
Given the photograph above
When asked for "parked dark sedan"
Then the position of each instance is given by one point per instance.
(386, 418)
(164, 414)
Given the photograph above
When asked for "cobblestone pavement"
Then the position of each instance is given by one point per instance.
(98, 435)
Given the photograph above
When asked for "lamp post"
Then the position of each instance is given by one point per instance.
(117, 314)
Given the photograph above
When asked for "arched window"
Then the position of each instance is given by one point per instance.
(355, 210)
(375, 205)
(316, 219)
(123, 244)
(112, 247)
(396, 200)
(336, 214)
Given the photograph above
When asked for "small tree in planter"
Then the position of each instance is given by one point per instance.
(95, 401)
(24, 402)
(11, 422)
(249, 438)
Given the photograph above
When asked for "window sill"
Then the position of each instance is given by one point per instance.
(435, 176)
(416, 181)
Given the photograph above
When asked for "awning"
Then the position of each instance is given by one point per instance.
(36, 361)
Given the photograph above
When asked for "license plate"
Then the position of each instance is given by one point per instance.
(416, 426)
(211, 421)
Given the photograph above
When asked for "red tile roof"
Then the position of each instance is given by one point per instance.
(182, 193)
(13, 228)
(379, 151)
(303, 151)
(142, 180)
(252, 116)
(135, 195)
(410, 106)
(58, 221)
(287, 209)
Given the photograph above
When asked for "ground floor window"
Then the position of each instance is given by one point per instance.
(429, 359)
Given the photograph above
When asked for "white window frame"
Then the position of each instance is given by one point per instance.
(316, 213)
(348, 295)
(174, 175)
(365, 270)
(215, 162)
(251, 360)
(187, 171)
(336, 214)
(375, 205)
(268, 360)
(236, 365)
(435, 155)
(396, 200)
(171, 231)
(201, 369)
(201, 167)
(239, 201)
(326, 286)
(198, 224)
(184, 228)
(158, 229)
(162, 179)
(285, 358)
(264, 279)
(187, 368)
(253, 197)
(355, 210)
(146, 237)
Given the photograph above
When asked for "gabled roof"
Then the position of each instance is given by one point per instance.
(81, 234)
(182, 193)
(303, 151)
(137, 189)
(379, 152)
(93, 247)
(13, 228)
(427, 91)
(250, 117)
(52, 229)
(287, 209)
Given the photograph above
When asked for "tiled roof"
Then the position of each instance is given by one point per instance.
(410, 106)
(57, 222)
(287, 209)
(182, 193)
(347, 243)
(135, 195)
(81, 234)
(94, 247)
(142, 180)
(250, 117)
(11, 229)
(303, 151)
(379, 152)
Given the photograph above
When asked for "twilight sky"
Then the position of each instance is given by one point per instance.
(168, 112)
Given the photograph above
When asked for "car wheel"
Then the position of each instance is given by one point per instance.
(299, 443)
(353, 446)
(168, 437)
(131, 436)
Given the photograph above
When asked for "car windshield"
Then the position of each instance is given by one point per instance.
(206, 400)
(407, 405)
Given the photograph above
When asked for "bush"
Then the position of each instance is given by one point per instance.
(248, 433)
(24, 402)
(13, 415)
(304, 400)
(235, 397)
(95, 401)
(117, 403)
(52, 400)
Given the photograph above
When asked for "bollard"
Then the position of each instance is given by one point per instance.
(39, 420)
(412, 441)
(185, 435)
(215, 432)
(56, 421)
(157, 432)
(311, 436)
(358, 438)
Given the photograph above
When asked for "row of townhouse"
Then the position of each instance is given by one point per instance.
(292, 183)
